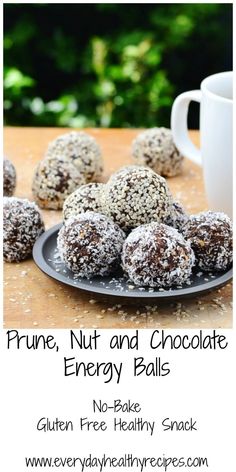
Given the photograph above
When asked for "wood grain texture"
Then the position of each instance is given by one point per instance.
(33, 300)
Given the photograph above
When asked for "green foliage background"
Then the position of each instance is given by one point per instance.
(111, 65)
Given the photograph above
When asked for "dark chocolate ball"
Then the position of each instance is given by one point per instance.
(22, 225)
(54, 180)
(156, 255)
(85, 198)
(82, 150)
(156, 149)
(9, 178)
(211, 237)
(136, 195)
(90, 244)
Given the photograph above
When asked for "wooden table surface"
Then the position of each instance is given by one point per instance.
(33, 300)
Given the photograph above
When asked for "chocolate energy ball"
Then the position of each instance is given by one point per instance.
(156, 255)
(211, 237)
(177, 218)
(82, 150)
(155, 148)
(22, 225)
(55, 179)
(85, 198)
(9, 178)
(136, 195)
(90, 244)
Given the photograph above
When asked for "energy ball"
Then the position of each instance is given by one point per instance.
(82, 150)
(22, 225)
(156, 255)
(9, 178)
(54, 180)
(177, 218)
(211, 237)
(136, 195)
(155, 148)
(85, 198)
(90, 244)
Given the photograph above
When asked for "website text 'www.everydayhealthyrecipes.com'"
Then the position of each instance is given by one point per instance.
(101, 463)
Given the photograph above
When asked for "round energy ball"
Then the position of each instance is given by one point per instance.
(177, 218)
(156, 255)
(90, 244)
(155, 148)
(85, 198)
(53, 181)
(136, 195)
(9, 178)
(22, 225)
(211, 237)
(82, 150)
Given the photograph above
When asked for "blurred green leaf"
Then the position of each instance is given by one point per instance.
(99, 53)
(37, 106)
(14, 79)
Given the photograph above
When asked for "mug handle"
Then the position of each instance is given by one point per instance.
(179, 114)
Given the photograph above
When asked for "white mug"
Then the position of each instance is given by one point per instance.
(216, 129)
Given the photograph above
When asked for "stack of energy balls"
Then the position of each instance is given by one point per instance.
(71, 160)
(131, 221)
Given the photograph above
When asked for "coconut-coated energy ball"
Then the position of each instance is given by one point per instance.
(211, 236)
(90, 244)
(9, 178)
(22, 225)
(156, 255)
(177, 218)
(82, 150)
(136, 195)
(155, 148)
(55, 179)
(85, 198)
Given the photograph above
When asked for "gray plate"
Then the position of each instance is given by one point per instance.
(46, 257)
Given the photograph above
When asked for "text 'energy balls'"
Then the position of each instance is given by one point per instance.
(55, 179)
(85, 198)
(22, 225)
(155, 148)
(211, 237)
(82, 150)
(90, 244)
(136, 195)
(156, 255)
